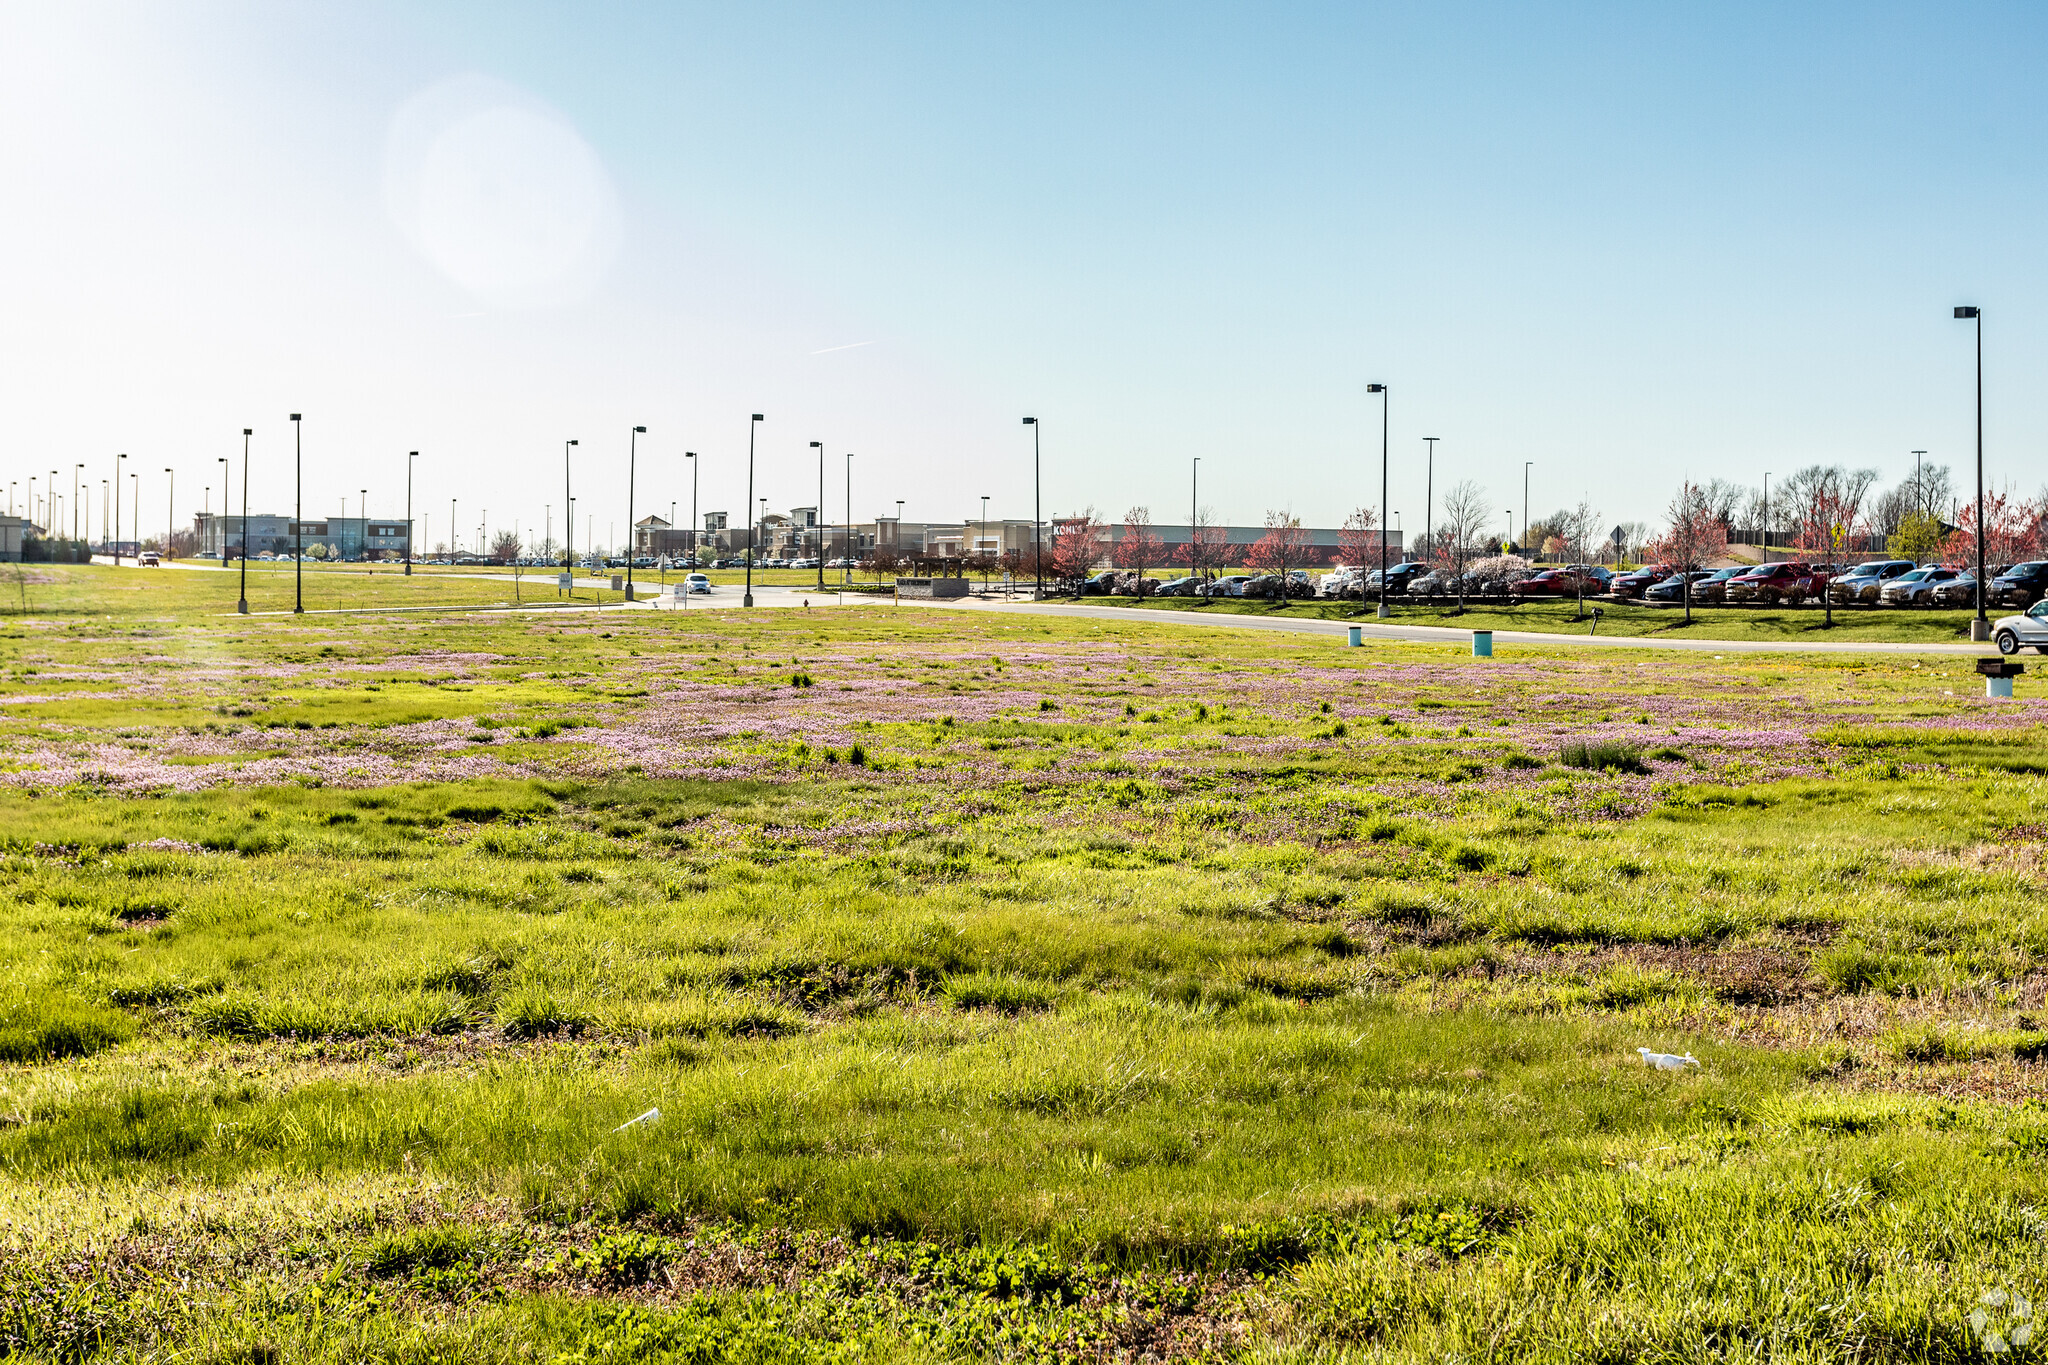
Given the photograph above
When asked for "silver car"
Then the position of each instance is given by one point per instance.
(2011, 633)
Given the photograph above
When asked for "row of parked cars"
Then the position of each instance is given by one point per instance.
(1891, 582)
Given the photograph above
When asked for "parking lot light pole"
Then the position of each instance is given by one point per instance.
(225, 503)
(1037, 510)
(1385, 401)
(118, 467)
(170, 508)
(632, 464)
(752, 539)
(691, 456)
(242, 606)
(819, 516)
(298, 521)
(1980, 629)
(846, 559)
(410, 456)
(1428, 495)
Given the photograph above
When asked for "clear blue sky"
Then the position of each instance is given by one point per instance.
(1627, 243)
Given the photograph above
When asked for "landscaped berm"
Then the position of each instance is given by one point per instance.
(878, 984)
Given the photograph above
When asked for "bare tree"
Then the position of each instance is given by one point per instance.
(1205, 547)
(1582, 531)
(1466, 512)
(1359, 539)
(1283, 548)
(1139, 547)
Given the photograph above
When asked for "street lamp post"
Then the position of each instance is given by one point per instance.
(1037, 509)
(454, 536)
(983, 547)
(1980, 629)
(226, 501)
(1194, 505)
(632, 464)
(846, 560)
(75, 537)
(298, 520)
(691, 456)
(752, 425)
(568, 579)
(410, 456)
(118, 469)
(1385, 401)
(363, 515)
(170, 509)
(819, 515)
(242, 605)
(1428, 495)
(1525, 497)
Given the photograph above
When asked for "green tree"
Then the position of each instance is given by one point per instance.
(1918, 537)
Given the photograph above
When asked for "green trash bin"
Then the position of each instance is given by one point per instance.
(1354, 636)
(1482, 644)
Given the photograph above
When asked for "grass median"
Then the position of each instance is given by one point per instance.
(1004, 985)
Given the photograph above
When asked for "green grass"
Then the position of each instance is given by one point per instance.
(1023, 987)
(1861, 625)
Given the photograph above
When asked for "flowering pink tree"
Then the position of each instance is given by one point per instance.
(1077, 548)
(1139, 547)
(1358, 539)
(2011, 529)
(1283, 547)
(1696, 535)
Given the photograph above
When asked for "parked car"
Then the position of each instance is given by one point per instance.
(1916, 587)
(696, 582)
(1399, 576)
(1673, 589)
(1566, 582)
(2020, 586)
(1714, 587)
(2011, 633)
(1435, 583)
(1960, 591)
(1638, 581)
(1864, 582)
(1787, 581)
(148, 560)
(1231, 585)
(1179, 587)
(1596, 573)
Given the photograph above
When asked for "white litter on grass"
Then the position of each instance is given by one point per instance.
(651, 1116)
(1663, 1061)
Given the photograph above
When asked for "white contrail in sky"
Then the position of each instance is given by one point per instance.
(851, 345)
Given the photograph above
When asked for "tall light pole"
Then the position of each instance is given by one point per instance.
(846, 560)
(75, 537)
(691, 456)
(819, 515)
(1919, 488)
(119, 469)
(454, 536)
(1037, 510)
(983, 547)
(242, 605)
(1385, 402)
(632, 466)
(1428, 495)
(363, 507)
(1194, 511)
(298, 520)
(752, 426)
(170, 509)
(410, 456)
(226, 501)
(1525, 496)
(1980, 629)
(1766, 546)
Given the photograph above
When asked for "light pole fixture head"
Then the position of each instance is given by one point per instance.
(689, 454)
(759, 418)
(1030, 421)
(412, 454)
(1966, 311)
(575, 442)
(817, 445)
(248, 431)
(295, 417)
(1375, 388)
(640, 430)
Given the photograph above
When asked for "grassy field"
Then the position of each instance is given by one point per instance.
(1008, 987)
(1851, 625)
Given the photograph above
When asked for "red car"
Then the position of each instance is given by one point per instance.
(1787, 582)
(1556, 583)
(1638, 582)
